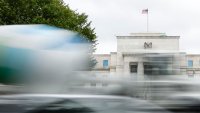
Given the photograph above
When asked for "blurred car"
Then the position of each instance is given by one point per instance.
(53, 103)
(182, 103)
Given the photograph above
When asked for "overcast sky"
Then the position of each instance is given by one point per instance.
(122, 17)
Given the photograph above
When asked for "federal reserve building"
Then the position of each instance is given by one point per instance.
(148, 54)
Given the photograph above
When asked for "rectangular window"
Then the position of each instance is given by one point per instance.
(133, 68)
(105, 63)
(190, 63)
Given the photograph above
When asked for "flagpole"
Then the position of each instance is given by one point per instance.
(148, 21)
(146, 11)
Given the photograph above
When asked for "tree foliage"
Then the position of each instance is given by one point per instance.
(51, 12)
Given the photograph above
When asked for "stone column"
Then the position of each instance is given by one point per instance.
(120, 60)
(127, 67)
(140, 68)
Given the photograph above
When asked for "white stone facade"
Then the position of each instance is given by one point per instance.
(146, 53)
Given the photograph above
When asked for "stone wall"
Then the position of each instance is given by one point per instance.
(99, 58)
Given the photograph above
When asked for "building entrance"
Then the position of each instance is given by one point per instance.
(156, 69)
(151, 69)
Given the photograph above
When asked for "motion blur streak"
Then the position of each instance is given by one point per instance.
(176, 93)
(40, 56)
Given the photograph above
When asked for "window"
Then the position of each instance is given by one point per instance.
(105, 63)
(133, 68)
(190, 63)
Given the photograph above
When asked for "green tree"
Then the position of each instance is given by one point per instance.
(51, 12)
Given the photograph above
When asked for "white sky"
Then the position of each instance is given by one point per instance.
(121, 17)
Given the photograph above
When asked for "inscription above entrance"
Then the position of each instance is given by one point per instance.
(147, 45)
